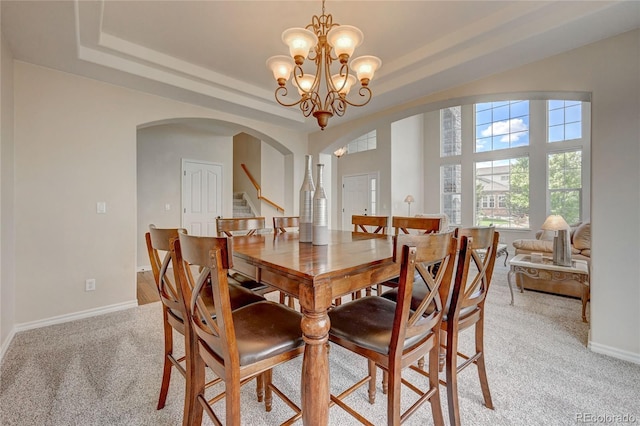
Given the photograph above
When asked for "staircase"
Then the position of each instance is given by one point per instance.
(240, 206)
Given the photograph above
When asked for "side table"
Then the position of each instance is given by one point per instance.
(546, 270)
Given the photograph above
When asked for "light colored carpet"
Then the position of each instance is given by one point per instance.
(106, 371)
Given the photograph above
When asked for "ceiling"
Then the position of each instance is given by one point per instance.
(213, 53)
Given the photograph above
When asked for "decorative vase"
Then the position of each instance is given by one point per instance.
(306, 203)
(320, 213)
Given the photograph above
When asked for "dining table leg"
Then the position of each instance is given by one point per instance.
(315, 302)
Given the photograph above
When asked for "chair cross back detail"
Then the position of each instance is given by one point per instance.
(360, 223)
(475, 291)
(281, 223)
(246, 225)
(424, 225)
(158, 240)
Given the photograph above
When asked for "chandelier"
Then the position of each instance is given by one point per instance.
(323, 94)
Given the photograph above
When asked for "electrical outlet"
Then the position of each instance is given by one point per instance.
(501, 240)
(90, 284)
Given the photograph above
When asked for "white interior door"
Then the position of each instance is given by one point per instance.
(355, 198)
(201, 196)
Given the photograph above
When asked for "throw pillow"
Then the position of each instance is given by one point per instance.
(582, 236)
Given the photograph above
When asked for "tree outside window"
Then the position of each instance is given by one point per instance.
(565, 184)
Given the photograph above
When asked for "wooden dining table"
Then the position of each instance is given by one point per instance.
(316, 275)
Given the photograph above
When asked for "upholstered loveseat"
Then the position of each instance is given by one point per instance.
(543, 243)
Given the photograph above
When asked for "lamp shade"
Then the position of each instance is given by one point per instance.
(409, 199)
(365, 67)
(341, 85)
(300, 42)
(555, 222)
(304, 83)
(281, 66)
(344, 39)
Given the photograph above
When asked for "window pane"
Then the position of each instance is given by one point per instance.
(503, 202)
(565, 184)
(565, 120)
(450, 131)
(573, 131)
(450, 190)
(556, 133)
(508, 124)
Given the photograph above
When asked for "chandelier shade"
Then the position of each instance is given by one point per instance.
(328, 47)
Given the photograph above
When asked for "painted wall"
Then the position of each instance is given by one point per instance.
(7, 194)
(160, 151)
(247, 151)
(407, 166)
(610, 70)
(75, 145)
(272, 182)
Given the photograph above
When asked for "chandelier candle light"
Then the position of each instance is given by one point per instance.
(328, 43)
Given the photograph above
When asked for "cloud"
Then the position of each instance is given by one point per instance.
(515, 126)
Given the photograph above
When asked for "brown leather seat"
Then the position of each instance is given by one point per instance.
(391, 335)
(237, 345)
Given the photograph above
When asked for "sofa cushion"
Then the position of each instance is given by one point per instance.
(586, 252)
(582, 236)
(534, 245)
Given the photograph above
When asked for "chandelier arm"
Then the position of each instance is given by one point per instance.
(367, 94)
(281, 92)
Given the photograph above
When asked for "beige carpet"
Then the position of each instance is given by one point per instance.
(106, 371)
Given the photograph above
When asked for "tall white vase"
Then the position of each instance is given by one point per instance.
(320, 213)
(306, 203)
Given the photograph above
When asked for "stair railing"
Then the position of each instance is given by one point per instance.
(257, 187)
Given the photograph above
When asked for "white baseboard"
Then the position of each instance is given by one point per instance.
(75, 316)
(143, 268)
(614, 352)
(6, 343)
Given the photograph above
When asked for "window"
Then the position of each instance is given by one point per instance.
(564, 120)
(365, 142)
(564, 184)
(451, 131)
(501, 125)
(373, 187)
(504, 204)
(516, 176)
(451, 178)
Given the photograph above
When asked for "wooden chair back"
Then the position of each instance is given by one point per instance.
(423, 225)
(158, 240)
(475, 273)
(378, 223)
(281, 223)
(417, 255)
(239, 226)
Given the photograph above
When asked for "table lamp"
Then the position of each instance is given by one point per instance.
(409, 199)
(561, 243)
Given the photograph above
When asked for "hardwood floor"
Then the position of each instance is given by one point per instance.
(147, 291)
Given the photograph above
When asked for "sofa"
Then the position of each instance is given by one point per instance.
(580, 238)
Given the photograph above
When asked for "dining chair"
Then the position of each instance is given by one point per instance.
(237, 226)
(413, 226)
(237, 345)
(369, 224)
(397, 336)
(173, 313)
(281, 223)
(373, 224)
(466, 309)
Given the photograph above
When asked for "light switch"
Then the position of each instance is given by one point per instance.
(101, 207)
(167, 207)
